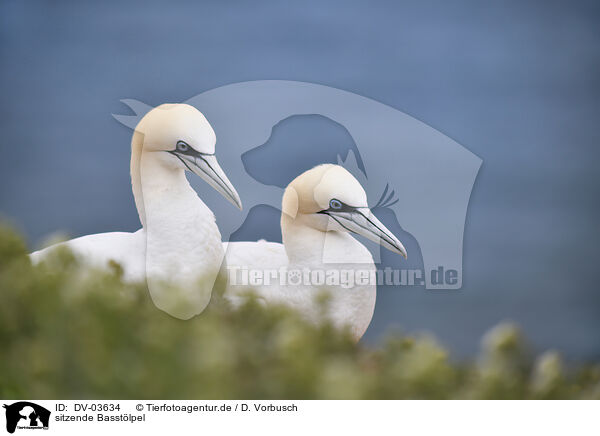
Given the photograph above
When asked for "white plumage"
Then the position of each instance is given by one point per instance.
(320, 210)
(179, 246)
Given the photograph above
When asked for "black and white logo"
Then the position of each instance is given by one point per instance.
(26, 415)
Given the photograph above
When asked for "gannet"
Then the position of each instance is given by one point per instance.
(179, 244)
(321, 209)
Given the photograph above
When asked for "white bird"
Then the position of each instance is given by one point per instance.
(179, 244)
(321, 208)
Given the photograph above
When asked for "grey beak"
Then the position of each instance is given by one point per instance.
(207, 167)
(362, 221)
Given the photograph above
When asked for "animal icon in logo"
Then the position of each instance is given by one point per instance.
(26, 414)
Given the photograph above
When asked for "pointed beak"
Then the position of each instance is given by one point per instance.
(362, 222)
(207, 167)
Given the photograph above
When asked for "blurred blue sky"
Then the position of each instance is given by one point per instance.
(517, 83)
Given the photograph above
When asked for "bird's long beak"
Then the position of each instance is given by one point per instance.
(362, 221)
(207, 167)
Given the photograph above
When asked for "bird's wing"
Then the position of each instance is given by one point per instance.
(261, 254)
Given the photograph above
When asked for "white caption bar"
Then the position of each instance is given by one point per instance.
(301, 417)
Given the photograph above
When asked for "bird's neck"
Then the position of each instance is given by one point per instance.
(183, 243)
(158, 186)
(174, 216)
(310, 247)
(307, 247)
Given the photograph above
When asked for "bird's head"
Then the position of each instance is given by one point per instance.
(329, 198)
(182, 138)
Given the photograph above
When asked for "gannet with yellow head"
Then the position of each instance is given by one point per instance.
(321, 209)
(179, 243)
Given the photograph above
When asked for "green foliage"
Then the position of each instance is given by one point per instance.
(68, 332)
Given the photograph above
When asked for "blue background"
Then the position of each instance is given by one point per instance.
(515, 82)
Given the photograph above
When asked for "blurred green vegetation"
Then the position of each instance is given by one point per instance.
(67, 332)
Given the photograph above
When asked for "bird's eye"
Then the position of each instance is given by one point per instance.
(182, 146)
(335, 204)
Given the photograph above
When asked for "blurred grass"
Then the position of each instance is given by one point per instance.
(71, 333)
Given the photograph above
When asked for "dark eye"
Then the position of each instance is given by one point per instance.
(182, 146)
(335, 204)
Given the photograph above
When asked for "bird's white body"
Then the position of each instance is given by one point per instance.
(98, 249)
(178, 251)
(347, 306)
(313, 245)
